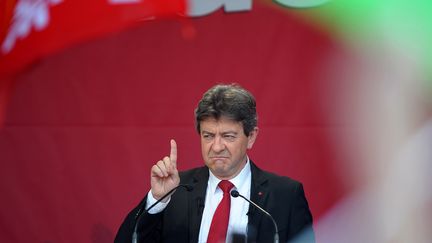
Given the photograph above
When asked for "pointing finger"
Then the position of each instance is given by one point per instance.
(173, 153)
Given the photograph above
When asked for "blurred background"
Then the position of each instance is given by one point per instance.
(92, 92)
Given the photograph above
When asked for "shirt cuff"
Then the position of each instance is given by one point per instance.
(158, 207)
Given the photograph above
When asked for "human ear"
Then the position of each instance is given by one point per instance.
(252, 136)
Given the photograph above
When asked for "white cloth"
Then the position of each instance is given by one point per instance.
(158, 207)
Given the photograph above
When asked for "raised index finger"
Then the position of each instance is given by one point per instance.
(173, 153)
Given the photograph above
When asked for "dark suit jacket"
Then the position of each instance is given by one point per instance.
(180, 221)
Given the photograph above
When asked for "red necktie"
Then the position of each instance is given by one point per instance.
(219, 225)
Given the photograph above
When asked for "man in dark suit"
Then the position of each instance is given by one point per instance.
(227, 123)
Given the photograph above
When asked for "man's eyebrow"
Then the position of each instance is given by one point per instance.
(223, 133)
(227, 132)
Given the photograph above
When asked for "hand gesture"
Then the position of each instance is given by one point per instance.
(164, 174)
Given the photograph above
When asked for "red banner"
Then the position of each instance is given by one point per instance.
(32, 29)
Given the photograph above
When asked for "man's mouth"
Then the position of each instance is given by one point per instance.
(218, 157)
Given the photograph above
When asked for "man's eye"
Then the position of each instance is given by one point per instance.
(207, 136)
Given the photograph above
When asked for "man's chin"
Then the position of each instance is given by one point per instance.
(219, 171)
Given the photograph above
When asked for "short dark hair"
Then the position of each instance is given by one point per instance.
(230, 101)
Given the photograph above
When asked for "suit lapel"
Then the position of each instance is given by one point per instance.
(259, 195)
(196, 202)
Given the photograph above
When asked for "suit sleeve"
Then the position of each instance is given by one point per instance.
(149, 226)
(301, 219)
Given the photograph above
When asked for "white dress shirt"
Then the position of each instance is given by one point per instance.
(238, 219)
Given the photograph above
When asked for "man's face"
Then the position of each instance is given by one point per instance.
(224, 146)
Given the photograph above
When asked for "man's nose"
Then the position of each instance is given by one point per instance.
(218, 145)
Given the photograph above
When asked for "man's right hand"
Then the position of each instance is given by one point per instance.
(164, 174)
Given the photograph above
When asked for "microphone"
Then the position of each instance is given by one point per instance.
(235, 193)
(140, 210)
